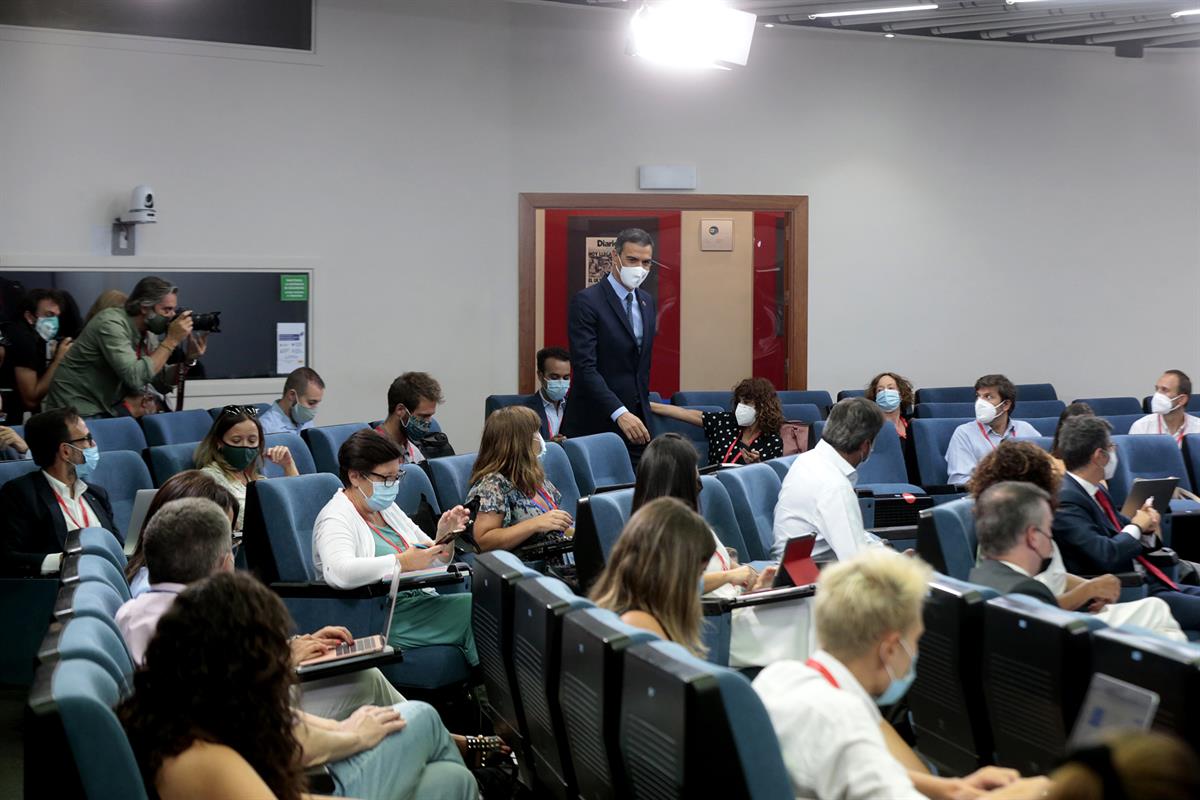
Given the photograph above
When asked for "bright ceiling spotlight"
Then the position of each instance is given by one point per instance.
(691, 34)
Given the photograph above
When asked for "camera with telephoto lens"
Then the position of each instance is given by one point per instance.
(208, 322)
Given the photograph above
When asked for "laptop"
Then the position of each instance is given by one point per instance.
(1112, 705)
(137, 516)
(364, 646)
(796, 567)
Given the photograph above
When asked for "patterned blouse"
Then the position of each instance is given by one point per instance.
(722, 431)
(498, 495)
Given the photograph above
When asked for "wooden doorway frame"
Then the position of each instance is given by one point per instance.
(795, 275)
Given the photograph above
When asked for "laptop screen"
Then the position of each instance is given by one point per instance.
(1112, 705)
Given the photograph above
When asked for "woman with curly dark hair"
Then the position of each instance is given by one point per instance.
(211, 714)
(893, 393)
(747, 434)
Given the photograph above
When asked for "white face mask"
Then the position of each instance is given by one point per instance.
(985, 412)
(1110, 469)
(745, 415)
(632, 277)
(1161, 404)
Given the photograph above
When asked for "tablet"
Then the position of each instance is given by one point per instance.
(796, 567)
(1161, 489)
(1112, 705)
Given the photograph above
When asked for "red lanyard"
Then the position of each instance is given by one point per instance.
(819, 667)
(540, 495)
(410, 449)
(403, 544)
(87, 520)
(987, 438)
(1178, 436)
(726, 460)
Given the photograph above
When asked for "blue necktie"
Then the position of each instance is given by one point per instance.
(632, 325)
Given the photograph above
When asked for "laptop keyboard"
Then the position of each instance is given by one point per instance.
(365, 645)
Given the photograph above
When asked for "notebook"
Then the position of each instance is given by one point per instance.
(366, 645)
(137, 516)
(1112, 705)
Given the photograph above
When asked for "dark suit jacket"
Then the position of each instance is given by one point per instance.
(1006, 580)
(607, 369)
(32, 524)
(534, 401)
(1085, 536)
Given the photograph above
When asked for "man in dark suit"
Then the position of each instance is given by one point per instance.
(549, 402)
(1012, 523)
(1093, 536)
(39, 509)
(611, 327)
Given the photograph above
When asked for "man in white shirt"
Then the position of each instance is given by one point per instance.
(1169, 404)
(303, 392)
(818, 492)
(825, 710)
(995, 402)
(39, 509)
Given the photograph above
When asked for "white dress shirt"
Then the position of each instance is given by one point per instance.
(818, 497)
(832, 745)
(138, 618)
(1133, 530)
(554, 414)
(1154, 423)
(75, 509)
(623, 292)
(973, 440)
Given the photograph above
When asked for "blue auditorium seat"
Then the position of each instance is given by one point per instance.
(754, 491)
(1036, 661)
(655, 397)
(599, 520)
(171, 459)
(88, 567)
(262, 409)
(539, 608)
(15, 469)
(885, 472)
(717, 511)
(1121, 423)
(324, 443)
(122, 473)
(1169, 669)
(680, 716)
(300, 454)
(693, 433)
(496, 401)
(721, 399)
(96, 541)
(1036, 392)
(946, 537)
(931, 437)
(1046, 426)
(948, 711)
(76, 746)
(1146, 456)
(413, 486)
(818, 398)
(558, 471)
(117, 433)
(493, 592)
(452, 478)
(594, 642)
(91, 639)
(611, 511)
(781, 465)
(847, 393)
(1044, 442)
(946, 394)
(802, 412)
(1191, 454)
(1026, 409)
(1111, 406)
(598, 460)
(87, 599)
(25, 608)
(176, 427)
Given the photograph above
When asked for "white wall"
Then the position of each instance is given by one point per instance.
(1001, 205)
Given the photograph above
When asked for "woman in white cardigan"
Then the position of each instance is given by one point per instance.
(361, 536)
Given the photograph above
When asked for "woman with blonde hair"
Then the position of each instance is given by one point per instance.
(518, 505)
(653, 573)
(233, 453)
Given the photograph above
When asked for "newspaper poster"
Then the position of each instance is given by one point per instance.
(599, 258)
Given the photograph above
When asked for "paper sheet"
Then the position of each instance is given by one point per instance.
(289, 346)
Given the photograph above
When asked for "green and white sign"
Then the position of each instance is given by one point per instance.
(294, 287)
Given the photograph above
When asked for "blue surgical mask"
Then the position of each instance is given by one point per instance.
(46, 327)
(381, 496)
(417, 428)
(888, 399)
(556, 389)
(302, 414)
(899, 686)
(91, 457)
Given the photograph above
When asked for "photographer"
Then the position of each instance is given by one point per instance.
(112, 358)
(37, 349)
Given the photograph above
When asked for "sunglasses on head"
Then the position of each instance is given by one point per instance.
(237, 411)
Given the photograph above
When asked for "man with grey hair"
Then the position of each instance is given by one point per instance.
(113, 357)
(818, 493)
(1013, 522)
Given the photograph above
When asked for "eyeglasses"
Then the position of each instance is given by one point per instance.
(88, 439)
(237, 411)
(386, 480)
